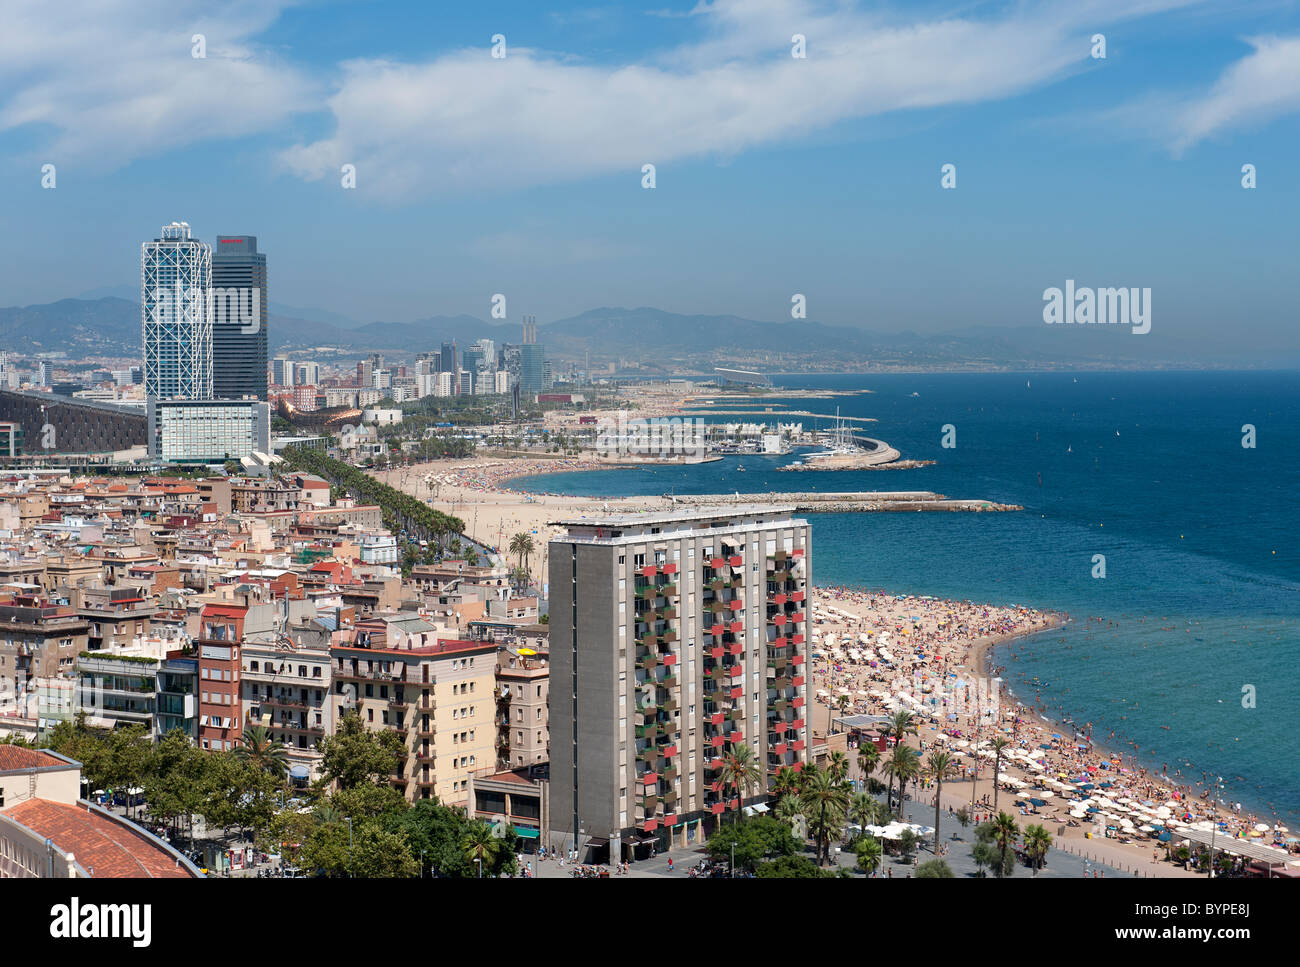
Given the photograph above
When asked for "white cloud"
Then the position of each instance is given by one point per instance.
(465, 121)
(1260, 87)
(103, 83)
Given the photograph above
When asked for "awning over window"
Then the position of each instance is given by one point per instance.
(527, 832)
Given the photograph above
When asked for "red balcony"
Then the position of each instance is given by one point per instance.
(650, 825)
(716, 630)
(716, 562)
(670, 819)
(736, 692)
(737, 671)
(796, 724)
(797, 702)
(796, 595)
(670, 751)
(735, 560)
(779, 642)
(797, 617)
(735, 604)
(649, 571)
(717, 741)
(796, 745)
(733, 803)
(779, 748)
(796, 639)
(797, 767)
(796, 660)
(650, 778)
(737, 737)
(670, 568)
(736, 627)
(779, 620)
(779, 599)
(738, 648)
(670, 659)
(797, 552)
(715, 718)
(716, 809)
(796, 681)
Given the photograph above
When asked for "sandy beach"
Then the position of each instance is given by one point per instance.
(881, 652)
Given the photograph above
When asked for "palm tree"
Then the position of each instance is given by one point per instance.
(825, 802)
(1037, 842)
(739, 771)
(785, 782)
(843, 703)
(522, 545)
(866, 810)
(869, 853)
(257, 747)
(902, 725)
(1005, 832)
(838, 766)
(787, 808)
(999, 746)
(479, 844)
(938, 766)
(903, 765)
(868, 758)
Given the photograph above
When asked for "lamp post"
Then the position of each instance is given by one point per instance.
(349, 819)
(478, 863)
(1214, 823)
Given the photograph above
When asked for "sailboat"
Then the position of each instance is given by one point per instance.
(740, 467)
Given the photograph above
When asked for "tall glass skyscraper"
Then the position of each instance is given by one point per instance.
(239, 336)
(175, 276)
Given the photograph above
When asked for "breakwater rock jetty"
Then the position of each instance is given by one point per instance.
(850, 501)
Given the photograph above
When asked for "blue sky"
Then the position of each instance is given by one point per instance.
(775, 175)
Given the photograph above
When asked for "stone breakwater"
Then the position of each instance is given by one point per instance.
(850, 502)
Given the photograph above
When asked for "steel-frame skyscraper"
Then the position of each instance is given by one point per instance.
(175, 276)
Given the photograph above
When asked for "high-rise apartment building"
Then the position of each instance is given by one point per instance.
(175, 275)
(674, 639)
(283, 371)
(239, 323)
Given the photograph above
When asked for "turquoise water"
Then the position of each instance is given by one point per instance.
(1202, 569)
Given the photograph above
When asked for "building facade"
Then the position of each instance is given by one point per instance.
(675, 638)
(208, 431)
(239, 332)
(175, 275)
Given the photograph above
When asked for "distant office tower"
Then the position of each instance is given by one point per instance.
(465, 384)
(365, 374)
(532, 369)
(307, 374)
(282, 371)
(175, 274)
(43, 374)
(501, 382)
(472, 359)
(675, 638)
(239, 330)
(489, 350)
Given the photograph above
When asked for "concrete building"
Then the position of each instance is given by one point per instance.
(208, 431)
(674, 639)
(437, 694)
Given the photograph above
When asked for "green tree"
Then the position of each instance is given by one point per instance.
(739, 772)
(355, 755)
(785, 782)
(939, 765)
(523, 547)
(792, 867)
(257, 747)
(869, 852)
(868, 758)
(754, 840)
(1037, 842)
(825, 802)
(934, 870)
(176, 777)
(838, 765)
(1004, 833)
(866, 810)
(904, 764)
(479, 845)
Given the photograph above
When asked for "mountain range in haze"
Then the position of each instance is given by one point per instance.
(645, 340)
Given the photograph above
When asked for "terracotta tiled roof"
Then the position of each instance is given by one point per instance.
(113, 848)
(14, 758)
